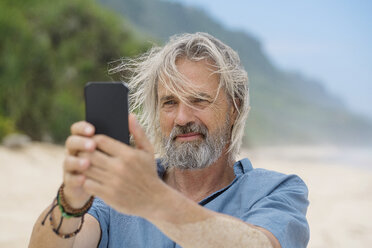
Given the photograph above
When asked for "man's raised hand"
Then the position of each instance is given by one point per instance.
(74, 166)
(124, 177)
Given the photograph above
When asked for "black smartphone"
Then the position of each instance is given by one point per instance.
(106, 108)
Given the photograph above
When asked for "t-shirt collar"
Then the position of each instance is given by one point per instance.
(242, 166)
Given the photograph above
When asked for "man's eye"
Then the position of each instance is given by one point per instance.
(199, 100)
(170, 102)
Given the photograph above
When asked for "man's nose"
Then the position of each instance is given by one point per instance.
(184, 115)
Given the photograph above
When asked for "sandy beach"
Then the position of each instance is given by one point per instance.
(339, 182)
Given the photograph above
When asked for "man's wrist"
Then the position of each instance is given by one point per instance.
(75, 198)
(69, 211)
(159, 203)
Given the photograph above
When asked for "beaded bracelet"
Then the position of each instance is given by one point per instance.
(76, 213)
(68, 211)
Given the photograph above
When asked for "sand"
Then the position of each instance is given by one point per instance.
(339, 181)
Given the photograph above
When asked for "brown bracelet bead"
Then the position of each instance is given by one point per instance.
(70, 210)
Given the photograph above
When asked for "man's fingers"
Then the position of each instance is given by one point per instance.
(97, 159)
(99, 164)
(74, 164)
(82, 128)
(139, 135)
(113, 147)
(74, 180)
(98, 175)
(76, 144)
(93, 187)
(109, 145)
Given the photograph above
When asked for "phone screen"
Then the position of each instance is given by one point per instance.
(106, 107)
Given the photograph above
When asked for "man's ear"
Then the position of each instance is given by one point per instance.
(234, 110)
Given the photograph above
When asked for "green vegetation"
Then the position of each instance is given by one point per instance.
(48, 51)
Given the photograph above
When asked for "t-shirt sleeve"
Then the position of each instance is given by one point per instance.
(283, 213)
(101, 211)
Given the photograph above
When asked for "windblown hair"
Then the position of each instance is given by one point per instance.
(158, 65)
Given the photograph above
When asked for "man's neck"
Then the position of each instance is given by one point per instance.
(198, 184)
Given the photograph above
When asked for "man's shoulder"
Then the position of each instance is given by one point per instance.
(269, 179)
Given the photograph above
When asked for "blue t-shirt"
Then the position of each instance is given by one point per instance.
(264, 198)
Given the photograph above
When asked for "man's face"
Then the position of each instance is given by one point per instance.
(194, 134)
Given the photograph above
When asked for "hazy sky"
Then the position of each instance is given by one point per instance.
(327, 40)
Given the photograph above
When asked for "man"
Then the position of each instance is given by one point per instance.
(193, 98)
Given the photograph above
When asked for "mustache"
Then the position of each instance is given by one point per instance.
(190, 127)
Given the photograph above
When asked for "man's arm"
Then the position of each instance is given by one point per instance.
(191, 225)
(43, 236)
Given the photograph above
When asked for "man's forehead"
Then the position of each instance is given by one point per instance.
(189, 79)
(170, 96)
(204, 92)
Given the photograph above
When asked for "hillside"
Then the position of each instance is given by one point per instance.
(286, 107)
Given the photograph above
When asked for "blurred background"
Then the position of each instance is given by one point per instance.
(309, 67)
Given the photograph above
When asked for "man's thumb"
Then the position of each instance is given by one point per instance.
(139, 135)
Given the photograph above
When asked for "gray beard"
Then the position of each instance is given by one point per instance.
(197, 154)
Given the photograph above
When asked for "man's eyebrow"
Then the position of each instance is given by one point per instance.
(205, 95)
(166, 98)
(171, 97)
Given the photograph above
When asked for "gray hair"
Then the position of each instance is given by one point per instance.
(158, 65)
